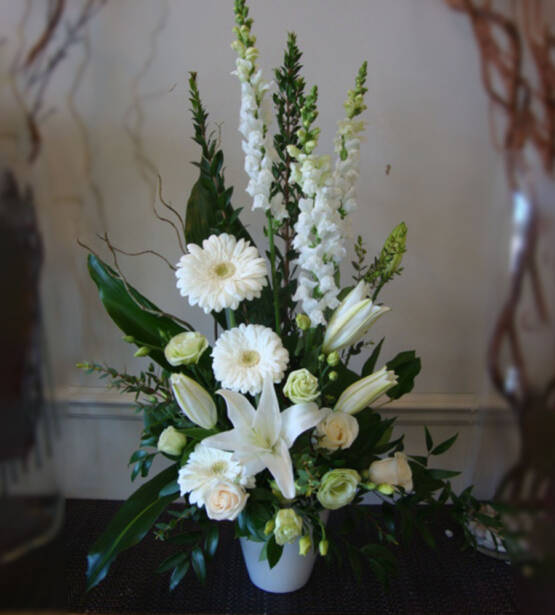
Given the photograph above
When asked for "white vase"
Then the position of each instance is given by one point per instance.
(291, 572)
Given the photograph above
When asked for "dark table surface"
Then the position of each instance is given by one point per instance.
(444, 580)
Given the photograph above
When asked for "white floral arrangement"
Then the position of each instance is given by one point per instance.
(269, 426)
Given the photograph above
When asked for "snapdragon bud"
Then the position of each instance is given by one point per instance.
(323, 546)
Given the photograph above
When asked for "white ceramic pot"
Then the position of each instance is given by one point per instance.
(291, 572)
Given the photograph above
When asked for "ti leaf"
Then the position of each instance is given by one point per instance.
(129, 526)
(124, 309)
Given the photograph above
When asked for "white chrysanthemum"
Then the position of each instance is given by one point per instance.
(247, 354)
(205, 468)
(221, 274)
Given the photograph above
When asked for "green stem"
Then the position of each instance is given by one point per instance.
(230, 318)
(273, 268)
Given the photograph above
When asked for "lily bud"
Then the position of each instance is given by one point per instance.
(365, 392)
(194, 400)
(352, 319)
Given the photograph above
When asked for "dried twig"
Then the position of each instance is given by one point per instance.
(140, 253)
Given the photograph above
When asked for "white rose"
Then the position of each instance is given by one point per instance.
(185, 348)
(392, 471)
(171, 441)
(337, 430)
(225, 501)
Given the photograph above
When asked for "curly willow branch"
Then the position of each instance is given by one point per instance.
(140, 253)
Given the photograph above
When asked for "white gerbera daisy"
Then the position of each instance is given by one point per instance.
(221, 274)
(205, 468)
(245, 355)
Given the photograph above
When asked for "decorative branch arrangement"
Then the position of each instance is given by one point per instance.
(526, 103)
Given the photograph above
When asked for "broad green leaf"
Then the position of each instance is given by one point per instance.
(370, 364)
(123, 308)
(445, 446)
(129, 526)
(407, 366)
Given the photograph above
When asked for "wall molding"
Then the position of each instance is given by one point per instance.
(84, 402)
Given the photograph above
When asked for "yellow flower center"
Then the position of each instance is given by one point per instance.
(249, 358)
(218, 467)
(224, 270)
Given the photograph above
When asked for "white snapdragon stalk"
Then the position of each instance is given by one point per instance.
(253, 124)
(366, 391)
(352, 319)
(318, 231)
(347, 146)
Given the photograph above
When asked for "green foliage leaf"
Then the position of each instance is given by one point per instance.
(445, 446)
(171, 562)
(129, 526)
(199, 564)
(273, 552)
(407, 366)
(122, 307)
(178, 573)
(370, 365)
(211, 541)
(429, 441)
(169, 489)
(201, 213)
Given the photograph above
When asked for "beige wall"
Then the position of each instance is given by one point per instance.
(427, 118)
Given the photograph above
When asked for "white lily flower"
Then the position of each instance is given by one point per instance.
(194, 400)
(352, 319)
(366, 391)
(261, 438)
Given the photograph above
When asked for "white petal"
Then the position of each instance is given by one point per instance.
(231, 440)
(239, 410)
(299, 418)
(267, 421)
(281, 468)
